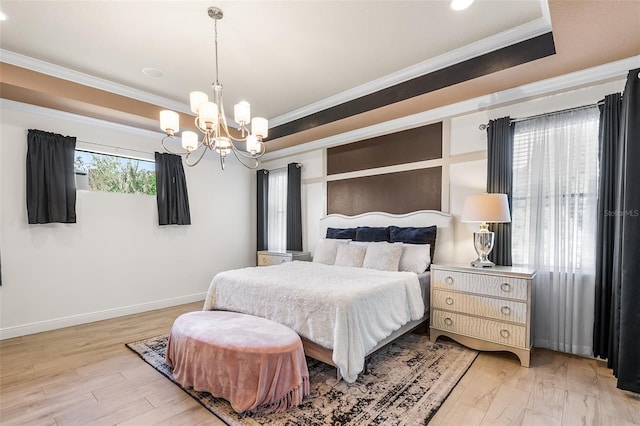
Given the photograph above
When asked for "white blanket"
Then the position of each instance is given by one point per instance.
(345, 309)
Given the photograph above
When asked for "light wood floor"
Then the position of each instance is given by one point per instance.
(85, 375)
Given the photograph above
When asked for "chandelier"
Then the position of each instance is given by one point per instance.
(245, 144)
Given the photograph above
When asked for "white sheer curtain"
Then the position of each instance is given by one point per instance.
(555, 191)
(277, 211)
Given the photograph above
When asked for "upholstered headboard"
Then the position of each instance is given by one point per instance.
(421, 218)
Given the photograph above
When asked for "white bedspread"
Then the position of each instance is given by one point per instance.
(345, 309)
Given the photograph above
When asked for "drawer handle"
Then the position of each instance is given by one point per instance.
(448, 321)
(505, 310)
(504, 333)
(448, 301)
(449, 280)
(506, 287)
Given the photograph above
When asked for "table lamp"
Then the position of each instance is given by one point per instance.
(485, 209)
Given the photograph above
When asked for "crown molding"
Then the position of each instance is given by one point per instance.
(590, 76)
(63, 73)
(506, 38)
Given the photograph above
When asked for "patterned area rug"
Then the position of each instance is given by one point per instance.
(406, 384)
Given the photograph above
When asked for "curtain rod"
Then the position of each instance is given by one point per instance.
(484, 126)
(298, 166)
(116, 147)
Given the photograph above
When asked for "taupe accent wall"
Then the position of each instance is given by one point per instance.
(408, 146)
(392, 192)
(400, 192)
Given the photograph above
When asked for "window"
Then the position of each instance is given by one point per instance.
(110, 173)
(555, 203)
(555, 190)
(277, 211)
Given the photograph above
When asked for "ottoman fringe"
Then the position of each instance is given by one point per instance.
(290, 399)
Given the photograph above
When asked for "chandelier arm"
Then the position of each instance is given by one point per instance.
(169, 150)
(186, 158)
(253, 166)
(247, 154)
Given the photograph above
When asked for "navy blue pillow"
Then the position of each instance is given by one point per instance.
(372, 234)
(414, 235)
(341, 233)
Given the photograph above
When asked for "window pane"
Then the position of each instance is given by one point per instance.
(555, 189)
(110, 173)
(277, 211)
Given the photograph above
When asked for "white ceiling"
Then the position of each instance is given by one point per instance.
(281, 56)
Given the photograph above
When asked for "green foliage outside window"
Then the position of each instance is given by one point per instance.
(109, 173)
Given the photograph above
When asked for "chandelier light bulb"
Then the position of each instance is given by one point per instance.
(242, 112)
(260, 127)
(196, 99)
(252, 144)
(208, 114)
(189, 140)
(169, 121)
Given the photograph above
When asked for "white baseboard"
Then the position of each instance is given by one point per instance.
(54, 324)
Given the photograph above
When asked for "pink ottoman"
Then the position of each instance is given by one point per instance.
(254, 363)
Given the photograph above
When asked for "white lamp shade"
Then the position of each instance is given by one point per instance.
(252, 144)
(189, 140)
(260, 127)
(490, 208)
(242, 112)
(169, 120)
(196, 99)
(208, 113)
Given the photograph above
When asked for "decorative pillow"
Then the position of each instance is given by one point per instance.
(415, 235)
(341, 233)
(383, 256)
(326, 250)
(415, 258)
(369, 233)
(350, 255)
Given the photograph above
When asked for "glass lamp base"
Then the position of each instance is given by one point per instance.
(483, 243)
(482, 263)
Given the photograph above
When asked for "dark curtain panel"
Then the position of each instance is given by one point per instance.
(500, 181)
(173, 200)
(294, 207)
(626, 269)
(51, 179)
(263, 210)
(609, 135)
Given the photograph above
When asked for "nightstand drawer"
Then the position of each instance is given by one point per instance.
(272, 259)
(267, 258)
(493, 331)
(504, 310)
(489, 285)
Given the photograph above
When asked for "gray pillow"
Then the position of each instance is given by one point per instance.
(383, 256)
(350, 255)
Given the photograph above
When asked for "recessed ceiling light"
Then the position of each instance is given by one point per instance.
(3, 17)
(460, 4)
(152, 72)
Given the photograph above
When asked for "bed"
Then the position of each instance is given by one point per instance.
(343, 314)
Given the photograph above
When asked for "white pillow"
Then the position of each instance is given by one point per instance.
(383, 256)
(415, 258)
(327, 249)
(350, 255)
